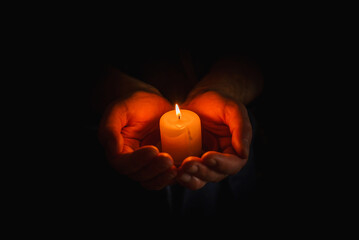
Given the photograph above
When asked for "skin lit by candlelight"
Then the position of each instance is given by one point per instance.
(178, 112)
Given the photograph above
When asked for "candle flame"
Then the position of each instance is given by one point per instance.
(178, 112)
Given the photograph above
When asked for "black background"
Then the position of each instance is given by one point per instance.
(85, 184)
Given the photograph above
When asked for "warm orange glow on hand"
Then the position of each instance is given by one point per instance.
(130, 133)
(227, 134)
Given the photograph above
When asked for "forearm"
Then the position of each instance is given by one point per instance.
(116, 85)
(237, 79)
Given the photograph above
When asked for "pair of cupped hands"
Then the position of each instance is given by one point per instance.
(129, 131)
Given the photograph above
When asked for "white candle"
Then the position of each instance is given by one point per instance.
(181, 134)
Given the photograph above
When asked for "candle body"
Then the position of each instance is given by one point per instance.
(181, 137)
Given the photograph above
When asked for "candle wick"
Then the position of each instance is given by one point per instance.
(179, 116)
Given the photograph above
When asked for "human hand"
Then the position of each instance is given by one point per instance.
(129, 132)
(226, 134)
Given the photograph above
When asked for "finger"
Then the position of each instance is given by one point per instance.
(129, 163)
(185, 175)
(190, 182)
(161, 163)
(161, 181)
(223, 162)
(112, 140)
(236, 117)
(110, 129)
(202, 172)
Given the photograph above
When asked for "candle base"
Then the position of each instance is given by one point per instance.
(181, 138)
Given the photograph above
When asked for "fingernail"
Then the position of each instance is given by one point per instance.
(185, 177)
(192, 169)
(211, 162)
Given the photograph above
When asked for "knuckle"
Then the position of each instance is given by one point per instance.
(164, 163)
(196, 183)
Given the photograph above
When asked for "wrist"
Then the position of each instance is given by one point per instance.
(198, 91)
(118, 86)
(241, 93)
(129, 86)
(236, 79)
(140, 90)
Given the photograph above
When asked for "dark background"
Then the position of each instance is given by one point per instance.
(87, 185)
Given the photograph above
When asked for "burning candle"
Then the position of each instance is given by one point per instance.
(181, 134)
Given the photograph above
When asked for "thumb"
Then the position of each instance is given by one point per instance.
(236, 117)
(110, 130)
(112, 140)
